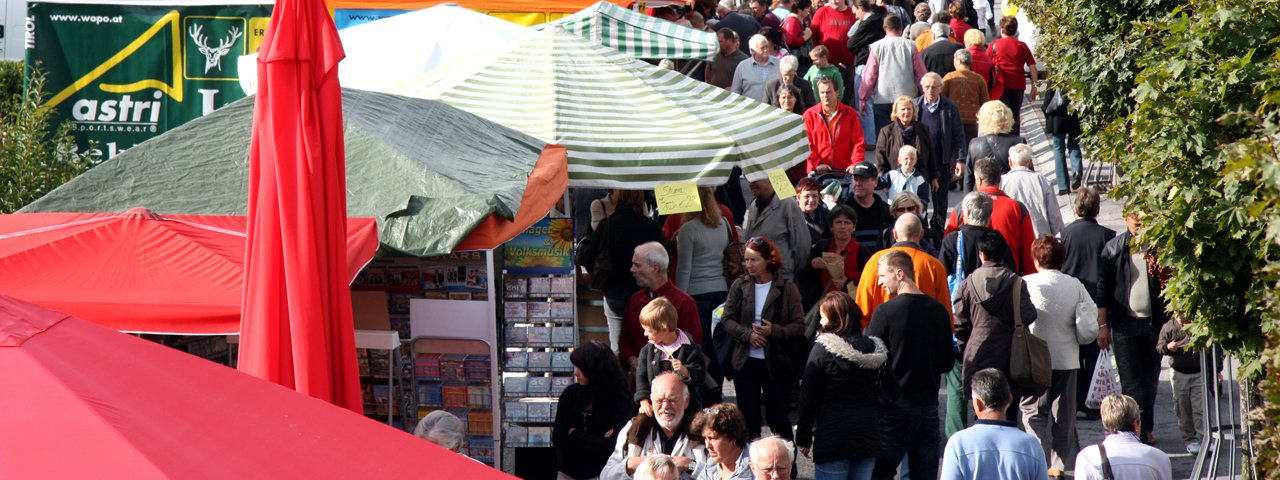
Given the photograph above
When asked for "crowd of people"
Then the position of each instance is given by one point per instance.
(853, 303)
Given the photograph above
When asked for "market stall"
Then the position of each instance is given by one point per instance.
(637, 34)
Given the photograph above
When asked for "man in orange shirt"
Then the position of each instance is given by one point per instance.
(931, 275)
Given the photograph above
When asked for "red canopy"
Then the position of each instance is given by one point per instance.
(140, 272)
(296, 327)
(82, 401)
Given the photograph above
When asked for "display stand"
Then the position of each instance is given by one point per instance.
(456, 375)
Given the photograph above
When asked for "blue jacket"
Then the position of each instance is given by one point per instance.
(993, 450)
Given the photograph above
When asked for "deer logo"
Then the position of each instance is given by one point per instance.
(213, 55)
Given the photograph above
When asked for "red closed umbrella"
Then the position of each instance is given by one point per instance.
(141, 272)
(296, 328)
(82, 401)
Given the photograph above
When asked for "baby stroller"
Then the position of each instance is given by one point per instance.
(836, 184)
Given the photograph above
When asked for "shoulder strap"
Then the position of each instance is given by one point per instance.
(728, 230)
(959, 254)
(1106, 463)
(1017, 303)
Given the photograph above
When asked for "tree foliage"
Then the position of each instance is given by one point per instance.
(1182, 97)
(34, 158)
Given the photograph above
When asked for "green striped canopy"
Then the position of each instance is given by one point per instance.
(626, 124)
(637, 34)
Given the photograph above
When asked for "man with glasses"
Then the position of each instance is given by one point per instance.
(950, 148)
(665, 433)
(771, 458)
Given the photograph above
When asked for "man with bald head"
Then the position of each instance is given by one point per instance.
(931, 275)
(665, 433)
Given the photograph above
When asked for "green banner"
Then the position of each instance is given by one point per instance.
(122, 74)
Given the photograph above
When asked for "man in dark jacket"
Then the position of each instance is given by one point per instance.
(916, 329)
(976, 207)
(984, 310)
(950, 149)
(1130, 313)
(940, 57)
(1084, 240)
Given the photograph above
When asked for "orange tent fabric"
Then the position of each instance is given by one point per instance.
(140, 272)
(545, 187)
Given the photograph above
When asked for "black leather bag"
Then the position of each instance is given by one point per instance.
(596, 257)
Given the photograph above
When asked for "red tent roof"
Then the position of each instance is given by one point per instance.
(140, 272)
(82, 401)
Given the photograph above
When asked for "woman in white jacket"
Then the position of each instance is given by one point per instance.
(1066, 317)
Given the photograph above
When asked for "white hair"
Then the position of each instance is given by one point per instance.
(667, 64)
(788, 63)
(933, 75)
(940, 31)
(655, 254)
(907, 149)
(757, 42)
(758, 447)
(657, 467)
(1021, 155)
(441, 428)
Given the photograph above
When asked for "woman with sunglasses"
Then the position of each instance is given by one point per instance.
(724, 433)
(765, 319)
(841, 222)
(907, 202)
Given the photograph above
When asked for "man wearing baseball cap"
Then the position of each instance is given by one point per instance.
(873, 212)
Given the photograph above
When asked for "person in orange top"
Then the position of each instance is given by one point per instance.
(931, 274)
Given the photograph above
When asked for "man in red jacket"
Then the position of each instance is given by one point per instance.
(1008, 216)
(835, 134)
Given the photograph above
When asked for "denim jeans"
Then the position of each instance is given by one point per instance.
(1071, 145)
(859, 469)
(864, 117)
(1138, 363)
(912, 432)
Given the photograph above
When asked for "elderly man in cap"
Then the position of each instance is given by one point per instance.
(873, 212)
(665, 433)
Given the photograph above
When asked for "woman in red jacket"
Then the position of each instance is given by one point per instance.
(1009, 55)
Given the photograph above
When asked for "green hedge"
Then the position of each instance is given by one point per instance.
(34, 158)
(1182, 97)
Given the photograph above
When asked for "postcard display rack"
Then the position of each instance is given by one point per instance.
(540, 330)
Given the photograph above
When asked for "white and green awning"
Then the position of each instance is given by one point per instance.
(625, 123)
(637, 34)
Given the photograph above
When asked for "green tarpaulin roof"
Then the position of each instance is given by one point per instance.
(637, 34)
(429, 172)
(626, 124)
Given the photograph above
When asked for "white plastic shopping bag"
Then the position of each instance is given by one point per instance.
(1106, 380)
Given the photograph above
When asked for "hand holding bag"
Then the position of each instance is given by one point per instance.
(1029, 363)
(1105, 381)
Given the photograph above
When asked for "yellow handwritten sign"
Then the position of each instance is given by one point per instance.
(781, 184)
(677, 198)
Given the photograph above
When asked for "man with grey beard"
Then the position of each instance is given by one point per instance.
(665, 433)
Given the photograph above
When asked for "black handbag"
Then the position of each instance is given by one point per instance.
(597, 258)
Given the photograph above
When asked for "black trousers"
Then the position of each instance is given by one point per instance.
(1013, 99)
(755, 389)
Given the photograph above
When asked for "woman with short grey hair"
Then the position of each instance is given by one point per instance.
(441, 428)
(1127, 456)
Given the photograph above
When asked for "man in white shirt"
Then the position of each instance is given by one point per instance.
(1025, 185)
(1126, 456)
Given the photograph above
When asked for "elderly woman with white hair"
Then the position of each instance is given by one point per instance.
(788, 67)
(441, 428)
(995, 122)
(1127, 455)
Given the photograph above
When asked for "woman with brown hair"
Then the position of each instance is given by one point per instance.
(764, 317)
(839, 416)
(700, 245)
(723, 431)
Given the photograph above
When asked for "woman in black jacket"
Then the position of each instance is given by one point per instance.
(995, 121)
(590, 412)
(1064, 128)
(625, 228)
(769, 346)
(839, 416)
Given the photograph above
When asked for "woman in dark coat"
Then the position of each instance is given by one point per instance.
(769, 347)
(984, 309)
(995, 121)
(838, 410)
(626, 228)
(1064, 128)
(590, 412)
(904, 129)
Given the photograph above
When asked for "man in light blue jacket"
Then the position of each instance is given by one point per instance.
(994, 448)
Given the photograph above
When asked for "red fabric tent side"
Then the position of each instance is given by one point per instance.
(296, 326)
(546, 186)
(558, 6)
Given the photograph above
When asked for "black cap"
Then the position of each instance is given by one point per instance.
(866, 169)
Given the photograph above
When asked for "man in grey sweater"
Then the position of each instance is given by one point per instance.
(781, 221)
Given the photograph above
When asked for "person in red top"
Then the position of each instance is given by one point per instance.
(649, 265)
(959, 21)
(1008, 216)
(975, 42)
(835, 133)
(841, 221)
(1009, 55)
(830, 27)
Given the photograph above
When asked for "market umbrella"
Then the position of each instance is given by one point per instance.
(82, 401)
(424, 39)
(140, 272)
(296, 326)
(637, 34)
(626, 124)
(437, 178)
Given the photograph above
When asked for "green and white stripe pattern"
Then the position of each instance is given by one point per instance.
(637, 34)
(625, 123)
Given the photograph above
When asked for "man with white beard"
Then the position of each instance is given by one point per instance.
(665, 433)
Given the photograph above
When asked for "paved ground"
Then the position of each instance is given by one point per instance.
(1090, 432)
